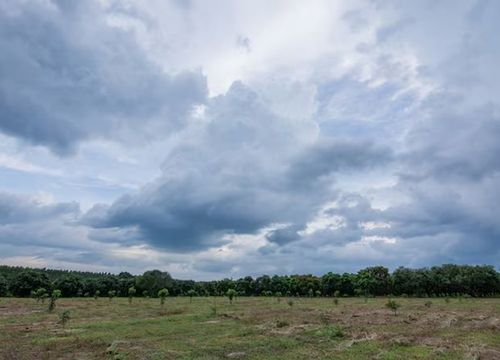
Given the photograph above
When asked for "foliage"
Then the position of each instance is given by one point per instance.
(443, 281)
(3, 286)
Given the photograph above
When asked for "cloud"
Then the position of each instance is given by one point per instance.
(246, 169)
(69, 75)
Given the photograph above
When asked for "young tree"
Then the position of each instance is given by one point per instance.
(111, 294)
(231, 294)
(97, 294)
(56, 294)
(64, 317)
(393, 305)
(131, 294)
(191, 293)
(40, 294)
(162, 294)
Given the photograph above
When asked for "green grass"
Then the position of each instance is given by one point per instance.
(251, 328)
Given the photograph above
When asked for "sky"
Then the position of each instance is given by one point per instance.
(218, 139)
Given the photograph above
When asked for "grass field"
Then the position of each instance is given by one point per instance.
(251, 328)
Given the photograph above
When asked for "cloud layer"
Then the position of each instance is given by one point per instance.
(147, 135)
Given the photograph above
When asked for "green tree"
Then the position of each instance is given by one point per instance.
(3, 286)
(41, 294)
(231, 294)
(56, 294)
(64, 318)
(154, 280)
(25, 281)
(162, 294)
(191, 293)
(131, 294)
(393, 305)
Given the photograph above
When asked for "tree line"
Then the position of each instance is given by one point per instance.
(445, 280)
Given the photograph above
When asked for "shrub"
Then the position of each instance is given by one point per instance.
(281, 324)
(145, 293)
(290, 302)
(428, 304)
(324, 319)
(97, 294)
(336, 301)
(336, 293)
(393, 305)
(447, 300)
(162, 294)
(111, 294)
(333, 332)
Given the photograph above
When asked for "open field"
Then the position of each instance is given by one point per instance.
(251, 328)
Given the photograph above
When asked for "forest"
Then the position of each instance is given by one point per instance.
(437, 281)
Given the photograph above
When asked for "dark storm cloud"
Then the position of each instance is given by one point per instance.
(246, 170)
(66, 75)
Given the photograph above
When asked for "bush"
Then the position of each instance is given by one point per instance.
(281, 324)
(111, 294)
(428, 304)
(336, 293)
(290, 302)
(336, 301)
(97, 294)
(332, 332)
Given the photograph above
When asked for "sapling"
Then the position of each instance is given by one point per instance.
(162, 294)
(428, 304)
(290, 302)
(40, 295)
(278, 296)
(131, 293)
(335, 301)
(97, 294)
(191, 293)
(336, 293)
(231, 294)
(111, 294)
(64, 317)
(393, 305)
(56, 294)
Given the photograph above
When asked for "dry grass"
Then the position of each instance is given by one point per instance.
(251, 328)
